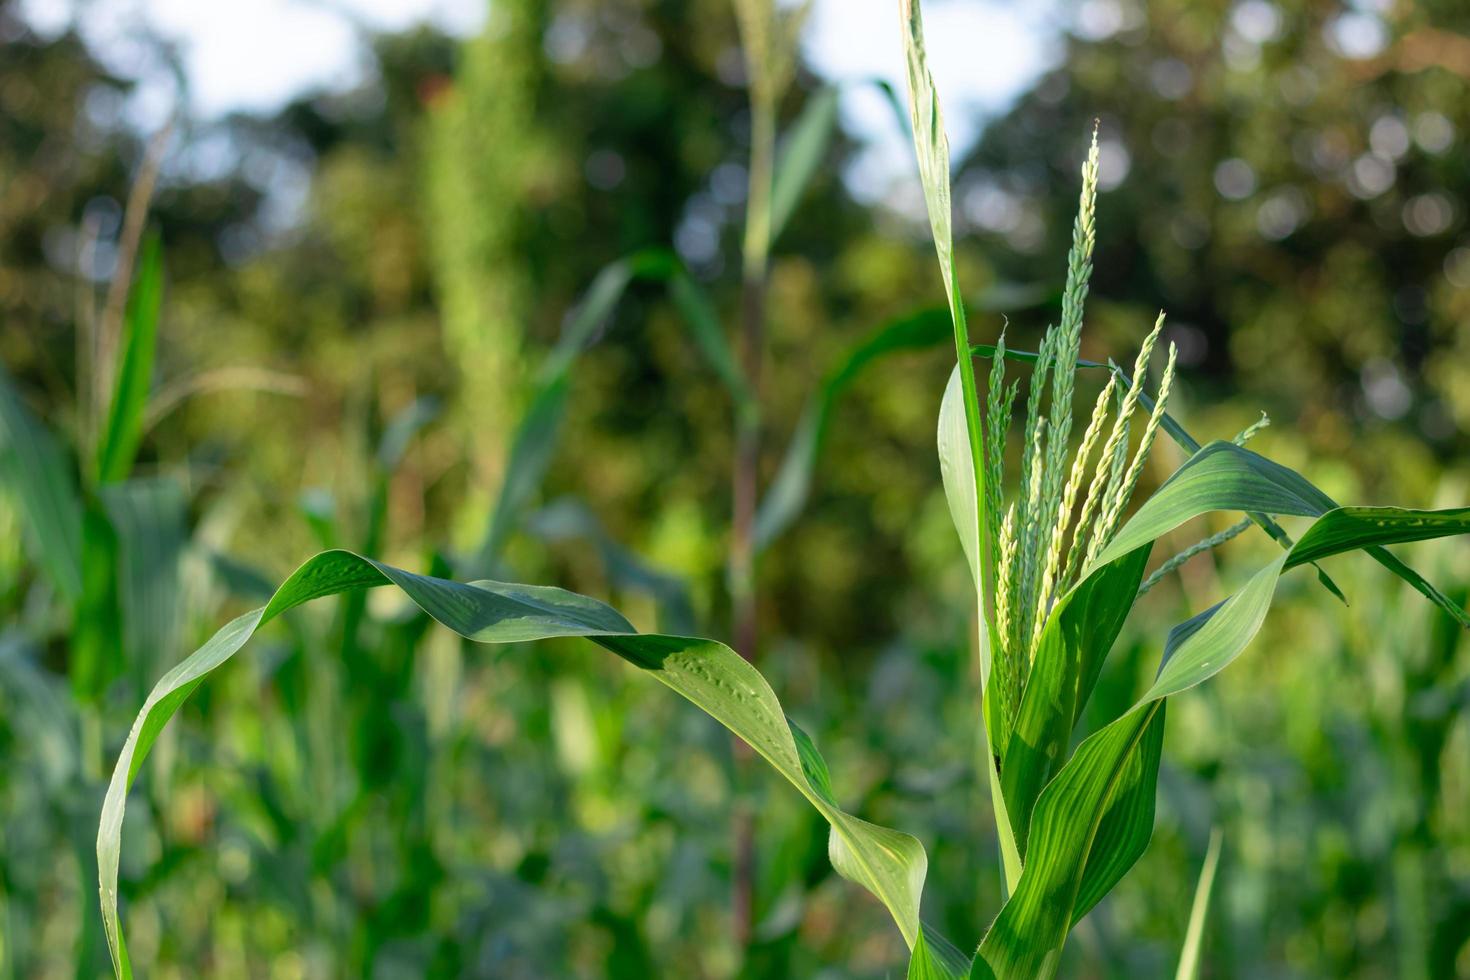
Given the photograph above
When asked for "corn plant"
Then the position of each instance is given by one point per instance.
(1057, 567)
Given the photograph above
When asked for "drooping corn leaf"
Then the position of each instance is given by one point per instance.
(1089, 824)
(36, 474)
(133, 376)
(889, 864)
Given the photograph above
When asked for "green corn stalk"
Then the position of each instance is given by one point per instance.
(1079, 823)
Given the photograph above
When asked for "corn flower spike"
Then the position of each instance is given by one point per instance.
(1053, 568)
(1213, 541)
(1130, 480)
(1115, 451)
(1029, 545)
(999, 400)
(1245, 435)
(1005, 658)
(1067, 346)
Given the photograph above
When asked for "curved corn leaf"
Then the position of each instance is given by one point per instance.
(133, 378)
(891, 865)
(35, 472)
(1093, 820)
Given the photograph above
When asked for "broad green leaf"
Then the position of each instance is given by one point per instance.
(801, 155)
(790, 489)
(889, 864)
(133, 377)
(35, 472)
(1199, 911)
(1220, 477)
(1358, 527)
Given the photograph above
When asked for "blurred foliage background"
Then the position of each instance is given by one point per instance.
(359, 292)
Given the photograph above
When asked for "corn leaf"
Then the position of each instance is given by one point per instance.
(935, 958)
(133, 377)
(36, 474)
(149, 518)
(1073, 644)
(1189, 957)
(533, 446)
(891, 865)
(962, 493)
(801, 155)
(789, 491)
